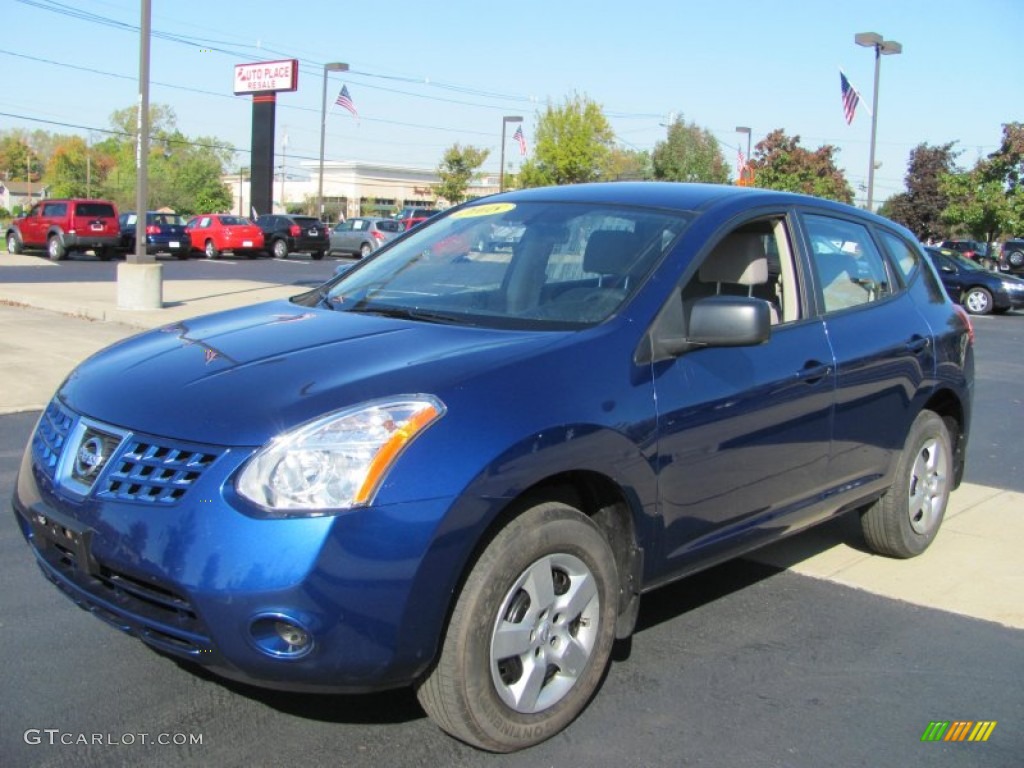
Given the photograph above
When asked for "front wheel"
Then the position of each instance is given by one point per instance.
(103, 254)
(906, 519)
(317, 255)
(531, 633)
(978, 301)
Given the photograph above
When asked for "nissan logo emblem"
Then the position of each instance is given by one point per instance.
(90, 457)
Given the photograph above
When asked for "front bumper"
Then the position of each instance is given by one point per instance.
(195, 577)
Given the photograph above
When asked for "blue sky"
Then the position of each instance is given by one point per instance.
(426, 75)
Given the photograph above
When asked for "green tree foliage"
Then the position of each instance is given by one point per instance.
(68, 171)
(689, 153)
(977, 206)
(19, 161)
(780, 162)
(185, 174)
(628, 165)
(458, 168)
(573, 145)
(920, 208)
(1006, 164)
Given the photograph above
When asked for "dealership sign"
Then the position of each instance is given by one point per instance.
(267, 76)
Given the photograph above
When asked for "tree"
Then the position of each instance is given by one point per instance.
(67, 172)
(18, 160)
(689, 153)
(628, 165)
(920, 208)
(457, 169)
(1007, 163)
(978, 206)
(573, 145)
(780, 162)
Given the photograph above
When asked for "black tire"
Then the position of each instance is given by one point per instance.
(103, 254)
(365, 250)
(14, 244)
(977, 300)
(560, 636)
(280, 249)
(906, 519)
(211, 250)
(55, 248)
(183, 254)
(1015, 259)
(317, 255)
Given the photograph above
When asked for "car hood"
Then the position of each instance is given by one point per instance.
(240, 377)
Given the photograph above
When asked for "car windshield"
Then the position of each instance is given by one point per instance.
(518, 265)
(963, 262)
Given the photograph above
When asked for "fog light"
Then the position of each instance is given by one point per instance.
(280, 636)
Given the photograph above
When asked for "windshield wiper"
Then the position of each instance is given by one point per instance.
(407, 313)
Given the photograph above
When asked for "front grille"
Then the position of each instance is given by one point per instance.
(51, 436)
(134, 467)
(151, 471)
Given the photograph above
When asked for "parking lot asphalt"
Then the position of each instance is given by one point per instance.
(973, 567)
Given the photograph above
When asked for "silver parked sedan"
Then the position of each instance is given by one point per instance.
(362, 236)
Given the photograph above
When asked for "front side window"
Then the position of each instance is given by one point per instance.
(848, 266)
(528, 265)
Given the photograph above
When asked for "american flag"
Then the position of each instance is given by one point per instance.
(518, 136)
(850, 98)
(345, 100)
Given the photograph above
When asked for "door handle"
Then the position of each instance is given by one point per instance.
(813, 372)
(918, 344)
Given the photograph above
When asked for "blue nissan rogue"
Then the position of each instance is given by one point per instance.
(459, 465)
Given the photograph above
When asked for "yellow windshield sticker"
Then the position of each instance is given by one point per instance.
(490, 209)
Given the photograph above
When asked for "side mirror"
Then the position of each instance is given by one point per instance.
(713, 321)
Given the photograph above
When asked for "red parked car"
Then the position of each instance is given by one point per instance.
(214, 233)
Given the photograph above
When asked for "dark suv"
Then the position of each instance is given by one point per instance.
(284, 234)
(60, 227)
(1012, 257)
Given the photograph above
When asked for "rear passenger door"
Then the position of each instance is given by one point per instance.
(881, 345)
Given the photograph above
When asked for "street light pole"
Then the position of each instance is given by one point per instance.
(882, 47)
(501, 171)
(746, 130)
(333, 66)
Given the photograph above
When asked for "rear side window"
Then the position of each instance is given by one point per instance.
(389, 225)
(850, 270)
(55, 209)
(95, 209)
(903, 255)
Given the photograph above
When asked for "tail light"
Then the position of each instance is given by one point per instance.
(152, 229)
(295, 230)
(967, 319)
(378, 235)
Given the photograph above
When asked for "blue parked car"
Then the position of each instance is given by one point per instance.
(165, 233)
(977, 289)
(459, 467)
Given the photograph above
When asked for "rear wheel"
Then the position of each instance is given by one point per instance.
(365, 250)
(531, 633)
(280, 249)
(13, 244)
(906, 519)
(211, 250)
(55, 248)
(978, 301)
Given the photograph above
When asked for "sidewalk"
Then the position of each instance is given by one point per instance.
(973, 568)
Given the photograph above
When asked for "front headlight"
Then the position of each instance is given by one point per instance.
(337, 461)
